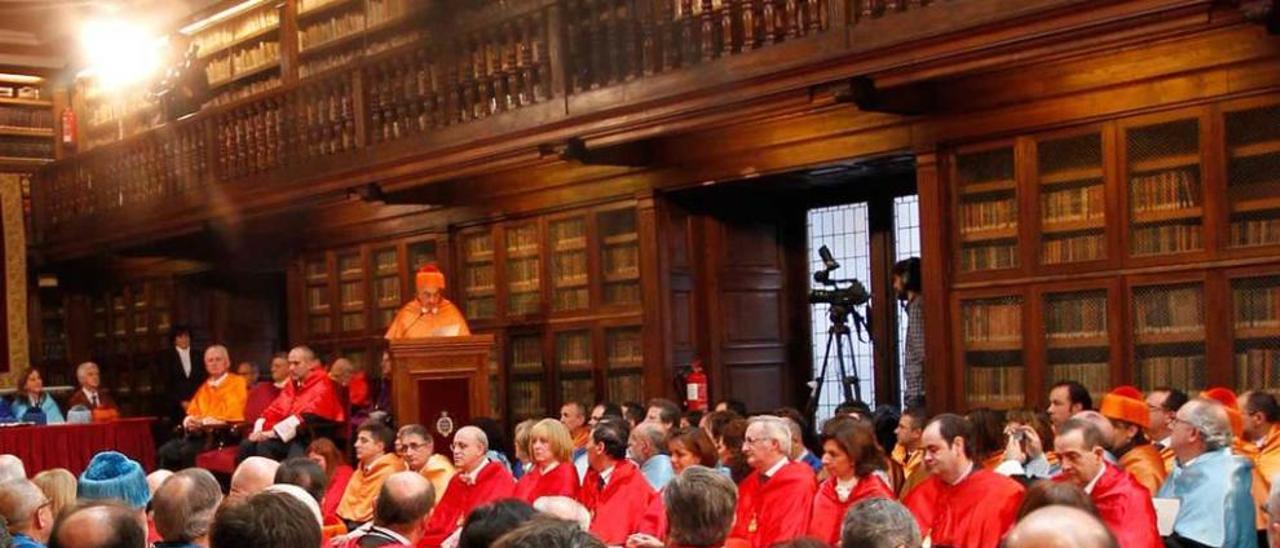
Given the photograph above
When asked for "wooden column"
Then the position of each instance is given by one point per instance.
(942, 384)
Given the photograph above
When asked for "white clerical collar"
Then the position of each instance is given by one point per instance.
(475, 474)
(281, 384)
(1094, 482)
(218, 381)
(549, 467)
(968, 470)
(608, 473)
(774, 469)
(1166, 442)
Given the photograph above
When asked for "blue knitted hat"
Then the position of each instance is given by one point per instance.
(111, 475)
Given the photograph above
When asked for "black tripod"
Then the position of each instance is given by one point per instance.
(839, 333)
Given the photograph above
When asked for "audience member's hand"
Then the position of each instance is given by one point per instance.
(1035, 447)
(190, 424)
(257, 437)
(641, 540)
(1013, 450)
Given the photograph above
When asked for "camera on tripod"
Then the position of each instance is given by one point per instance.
(843, 303)
(847, 297)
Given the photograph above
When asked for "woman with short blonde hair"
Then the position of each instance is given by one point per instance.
(59, 484)
(552, 473)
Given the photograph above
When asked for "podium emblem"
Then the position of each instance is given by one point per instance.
(444, 425)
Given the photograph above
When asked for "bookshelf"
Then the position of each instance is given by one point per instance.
(987, 210)
(1077, 341)
(525, 387)
(318, 296)
(479, 282)
(619, 257)
(1168, 335)
(26, 124)
(573, 359)
(242, 55)
(386, 286)
(991, 337)
(1165, 191)
(624, 364)
(351, 291)
(568, 251)
(1255, 313)
(523, 269)
(1073, 203)
(53, 327)
(1253, 176)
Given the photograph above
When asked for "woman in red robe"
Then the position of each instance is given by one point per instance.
(327, 455)
(850, 457)
(552, 473)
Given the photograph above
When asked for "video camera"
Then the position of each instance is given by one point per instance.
(855, 294)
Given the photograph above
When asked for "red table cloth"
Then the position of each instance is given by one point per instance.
(71, 446)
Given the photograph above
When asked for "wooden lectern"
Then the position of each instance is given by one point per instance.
(438, 375)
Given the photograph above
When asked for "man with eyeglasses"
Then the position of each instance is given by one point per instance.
(28, 513)
(775, 500)
(1163, 404)
(478, 482)
(417, 448)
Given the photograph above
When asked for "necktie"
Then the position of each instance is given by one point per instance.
(93, 399)
(600, 484)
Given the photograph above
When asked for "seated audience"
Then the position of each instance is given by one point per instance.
(1123, 504)
(251, 477)
(300, 495)
(960, 504)
(775, 502)
(646, 445)
(692, 447)
(219, 401)
(27, 513)
(486, 523)
(520, 442)
(479, 481)
(1028, 448)
(730, 445)
(1060, 526)
(184, 507)
(548, 532)
(1043, 493)
(700, 507)
(346, 375)
(500, 450)
(879, 523)
(1213, 485)
(573, 416)
(552, 473)
(306, 474)
(850, 457)
(602, 410)
(799, 452)
(908, 452)
(59, 484)
(11, 468)
(633, 412)
(114, 476)
(376, 461)
(615, 491)
(403, 502)
(664, 413)
(265, 520)
(32, 404)
(988, 437)
(564, 508)
(326, 454)
(417, 449)
(100, 524)
(308, 399)
(1130, 418)
(1163, 404)
(264, 391)
(90, 395)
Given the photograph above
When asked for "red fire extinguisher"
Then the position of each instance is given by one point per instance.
(68, 127)
(695, 385)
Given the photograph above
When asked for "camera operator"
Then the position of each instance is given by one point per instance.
(906, 283)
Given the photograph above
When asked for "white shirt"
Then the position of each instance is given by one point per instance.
(469, 478)
(184, 355)
(1166, 442)
(91, 395)
(845, 488)
(966, 473)
(218, 381)
(1089, 488)
(604, 476)
(774, 469)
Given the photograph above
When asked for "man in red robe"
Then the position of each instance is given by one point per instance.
(960, 504)
(615, 492)
(775, 501)
(309, 398)
(479, 481)
(1123, 504)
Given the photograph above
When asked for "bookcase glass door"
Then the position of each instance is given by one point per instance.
(619, 257)
(1253, 176)
(1255, 304)
(351, 286)
(573, 366)
(319, 320)
(569, 279)
(992, 338)
(1072, 199)
(624, 361)
(479, 282)
(421, 254)
(988, 210)
(1165, 191)
(386, 286)
(1077, 346)
(524, 380)
(1168, 336)
(523, 267)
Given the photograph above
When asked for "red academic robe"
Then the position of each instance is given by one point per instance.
(618, 511)
(776, 510)
(333, 495)
(494, 483)
(561, 481)
(975, 513)
(315, 396)
(1125, 507)
(260, 397)
(828, 511)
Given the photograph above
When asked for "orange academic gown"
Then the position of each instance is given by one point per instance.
(1146, 466)
(975, 513)
(1125, 507)
(561, 481)
(493, 483)
(828, 510)
(778, 509)
(415, 322)
(617, 512)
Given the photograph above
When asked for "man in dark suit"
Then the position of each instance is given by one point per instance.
(183, 373)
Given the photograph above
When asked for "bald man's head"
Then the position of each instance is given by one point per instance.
(405, 499)
(1104, 425)
(100, 524)
(252, 476)
(1060, 527)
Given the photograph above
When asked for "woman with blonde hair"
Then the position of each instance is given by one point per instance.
(552, 474)
(521, 440)
(59, 484)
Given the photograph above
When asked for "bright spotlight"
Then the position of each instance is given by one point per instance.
(119, 53)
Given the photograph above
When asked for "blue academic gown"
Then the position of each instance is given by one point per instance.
(52, 415)
(658, 471)
(6, 412)
(1216, 507)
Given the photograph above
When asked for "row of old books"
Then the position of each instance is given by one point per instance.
(1074, 204)
(1182, 372)
(988, 215)
(1169, 238)
(988, 257)
(1076, 318)
(622, 387)
(328, 30)
(1074, 248)
(248, 25)
(1249, 232)
(26, 117)
(992, 322)
(570, 269)
(1256, 306)
(526, 398)
(1168, 310)
(1094, 376)
(1256, 368)
(996, 386)
(479, 278)
(573, 350)
(1174, 189)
